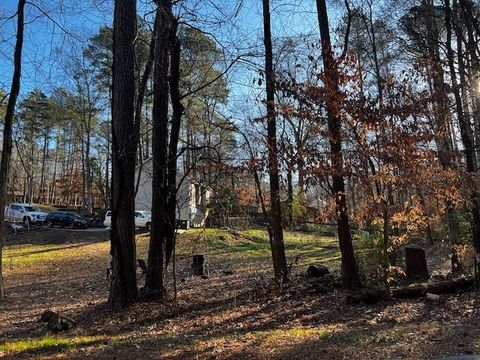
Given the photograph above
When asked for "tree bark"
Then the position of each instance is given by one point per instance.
(123, 285)
(276, 240)
(109, 156)
(177, 114)
(349, 267)
(51, 196)
(88, 166)
(7, 129)
(154, 281)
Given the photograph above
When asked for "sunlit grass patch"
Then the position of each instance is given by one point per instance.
(54, 344)
(384, 335)
(223, 245)
(268, 337)
(49, 344)
(296, 333)
(253, 245)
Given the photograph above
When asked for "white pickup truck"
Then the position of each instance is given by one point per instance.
(142, 219)
(24, 213)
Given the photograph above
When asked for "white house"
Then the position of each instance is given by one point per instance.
(192, 196)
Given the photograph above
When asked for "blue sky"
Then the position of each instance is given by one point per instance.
(43, 38)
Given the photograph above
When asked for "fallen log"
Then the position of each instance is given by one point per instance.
(439, 287)
(367, 296)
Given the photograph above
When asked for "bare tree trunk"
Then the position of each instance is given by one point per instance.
(51, 196)
(290, 196)
(258, 186)
(31, 173)
(349, 265)
(41, 192)
(142, 87)
(441, 114)
(154, 281)
(7, 129)
(177, 114)
(108, 157)
(276, 240)
(123, 285)
(88, 167)
(370, 26)
(465, 129)
(84, 172)
(467, 17)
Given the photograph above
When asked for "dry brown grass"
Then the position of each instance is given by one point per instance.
(235, 316)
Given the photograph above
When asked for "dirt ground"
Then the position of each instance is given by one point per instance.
(234, 314)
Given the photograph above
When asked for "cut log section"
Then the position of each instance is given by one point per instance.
(198, 265)
(416, 264)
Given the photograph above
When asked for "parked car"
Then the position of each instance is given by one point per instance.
(25, 213)
(142, 219)
(66, 219)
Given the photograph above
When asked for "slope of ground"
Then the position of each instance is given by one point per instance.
(234, 314)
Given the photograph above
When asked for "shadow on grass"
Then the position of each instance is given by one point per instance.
(249, 342)
(17, 254)
(46, 236)
(262, 327)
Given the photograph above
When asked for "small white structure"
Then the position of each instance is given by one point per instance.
(192, 196)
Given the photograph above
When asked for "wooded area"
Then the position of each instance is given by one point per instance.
(354, 120)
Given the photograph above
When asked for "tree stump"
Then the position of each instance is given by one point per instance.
(316, 271)
(57, 322)
(416, 264)
(198, 265)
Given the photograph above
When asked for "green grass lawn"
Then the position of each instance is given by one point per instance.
(253, 245)
(250, 245)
